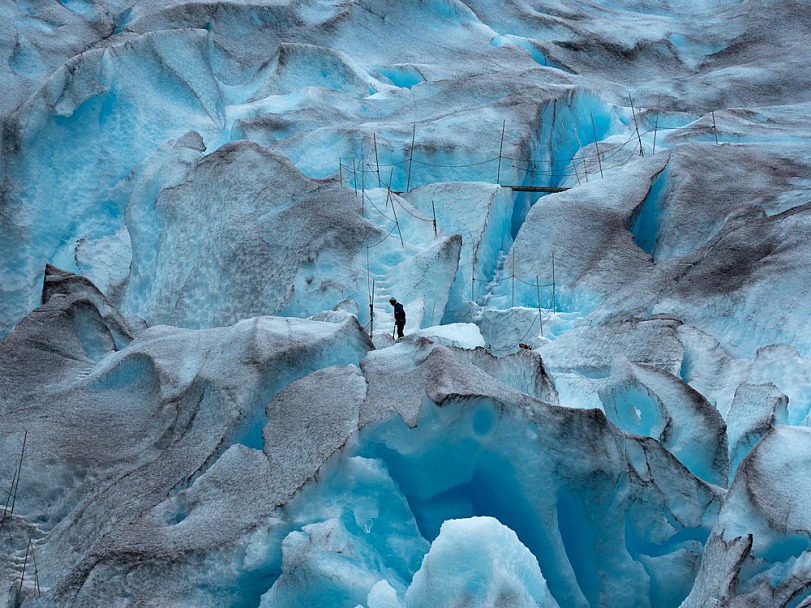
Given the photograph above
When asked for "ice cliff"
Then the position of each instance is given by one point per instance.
(206, 206)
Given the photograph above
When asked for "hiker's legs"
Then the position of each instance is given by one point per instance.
(400, 327)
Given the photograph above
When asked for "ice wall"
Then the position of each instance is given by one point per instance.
(205, 208)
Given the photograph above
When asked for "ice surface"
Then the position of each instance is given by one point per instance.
(115, 106)
(246, 245)
(478, 562)
(649, 401)
(452, 461)
(758, 551)
(161, 388)
(204, 165)
(755, 409)
(462, 335)
(194, 398)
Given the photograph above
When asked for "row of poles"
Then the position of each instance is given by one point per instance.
(499, 159)
(389, 195)
(563, 130)
(553, 308)
(8, 513)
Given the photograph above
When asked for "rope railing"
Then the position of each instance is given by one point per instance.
(604, 152)
(368, 198)
(520, 340)
(532, 166)
(385, 238)
(535, 168)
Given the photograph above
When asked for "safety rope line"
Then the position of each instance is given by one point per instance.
(606, 152)
(506, 350)
(383, 239)
(394, 198)
(368, 198)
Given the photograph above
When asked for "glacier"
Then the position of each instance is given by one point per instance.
(595, 214)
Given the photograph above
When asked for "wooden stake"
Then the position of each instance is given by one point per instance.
(433, 208)
(25, 563)
(8, 496)
(500, 148)
(341, 172)
(656, 124)
(372, 311)
(368, 273)
(411, 157)
(19, 471)
(580, 145)
(638, 136)
(473, 280)
(388, 190)
(396, 223)
(36, 570)
(554, 299)
(513, 273)
(574, 166)
(377, 162)
(362, 179)
(538, 291)
(596, 146)
(354, 176)
(714, 128)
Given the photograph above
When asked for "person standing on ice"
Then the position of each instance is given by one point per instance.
(399, 316)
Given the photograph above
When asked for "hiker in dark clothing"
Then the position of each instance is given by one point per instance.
(399, 316)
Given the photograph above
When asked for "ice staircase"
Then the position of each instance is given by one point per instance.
(390, 256)
(84, 373)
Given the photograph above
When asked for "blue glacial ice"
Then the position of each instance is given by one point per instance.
(594, 213)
